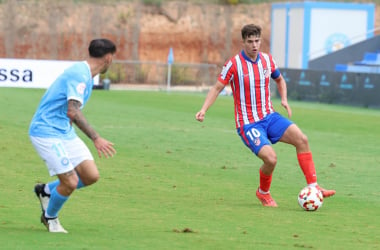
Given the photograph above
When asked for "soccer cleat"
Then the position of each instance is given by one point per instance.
(42, 196)
(266, 199)
(52, 224)
(326, 193)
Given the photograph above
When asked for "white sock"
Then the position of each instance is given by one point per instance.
(47, 189)
(47, 216)
(313, 184)
(262, 192)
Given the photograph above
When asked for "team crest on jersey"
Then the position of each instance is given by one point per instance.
(257, 141)
(266, 73)
(81, 88)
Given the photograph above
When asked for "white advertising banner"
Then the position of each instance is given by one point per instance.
(26, 73)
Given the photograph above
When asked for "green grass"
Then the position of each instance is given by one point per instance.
(172, 173)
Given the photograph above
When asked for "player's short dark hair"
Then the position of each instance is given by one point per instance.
(250, 30)
(100, 47)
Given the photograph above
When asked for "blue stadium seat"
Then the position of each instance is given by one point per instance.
(341, 67)
(369, 64)
(370, 59)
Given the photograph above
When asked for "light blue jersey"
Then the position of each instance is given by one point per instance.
(50, 119)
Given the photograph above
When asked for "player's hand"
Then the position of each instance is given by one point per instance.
(287, 107)
(104, 147)
(200, 116)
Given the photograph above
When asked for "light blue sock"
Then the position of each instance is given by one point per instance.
(55, 204)
(80, 183)
(52, 185)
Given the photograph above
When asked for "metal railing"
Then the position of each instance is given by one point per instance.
(156, 73)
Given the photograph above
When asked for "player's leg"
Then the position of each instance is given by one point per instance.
(87, 172)
(73, 179)
(282, 129)
(269, 158)
(294, 136)
(84, 163)
(84, 174)
(80, 157)
(67, 184)
(59, 195)
(56, 157)
(45, 189)
(78, 152)
(254, 137)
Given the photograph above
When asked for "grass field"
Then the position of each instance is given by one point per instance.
(173, 174)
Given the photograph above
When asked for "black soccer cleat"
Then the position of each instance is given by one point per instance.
(39, 190)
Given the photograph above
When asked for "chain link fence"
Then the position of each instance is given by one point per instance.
(156, 74)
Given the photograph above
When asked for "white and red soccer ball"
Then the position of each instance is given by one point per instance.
(310, 198)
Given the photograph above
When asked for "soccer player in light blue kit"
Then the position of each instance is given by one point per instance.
(54, 137)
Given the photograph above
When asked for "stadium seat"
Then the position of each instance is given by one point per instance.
(369, 64)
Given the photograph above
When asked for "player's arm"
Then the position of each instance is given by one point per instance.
(210, 99)
(282, 90)
(76, 116)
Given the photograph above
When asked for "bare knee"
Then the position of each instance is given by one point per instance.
(304, 140)
(91, 179)
(88, 172)
(302, 144)
(269, 159)
(294, 136)
(68, 183)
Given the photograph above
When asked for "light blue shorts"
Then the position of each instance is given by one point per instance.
(265, 132)
(61, 156)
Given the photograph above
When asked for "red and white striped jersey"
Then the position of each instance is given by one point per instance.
(250, 86)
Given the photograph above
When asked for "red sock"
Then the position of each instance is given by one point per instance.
(307, 165)
(265, 181)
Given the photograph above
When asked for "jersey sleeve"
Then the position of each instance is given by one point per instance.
(275, 70)
(75, 89)
(227, 73)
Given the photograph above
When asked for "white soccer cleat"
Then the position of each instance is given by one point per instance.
(53, 225)
(42, 196)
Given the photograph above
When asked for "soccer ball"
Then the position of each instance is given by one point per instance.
(310, 198)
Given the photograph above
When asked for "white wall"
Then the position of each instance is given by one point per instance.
(25, 73)
(278, 37)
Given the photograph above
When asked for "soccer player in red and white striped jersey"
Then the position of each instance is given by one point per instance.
(257, 123)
